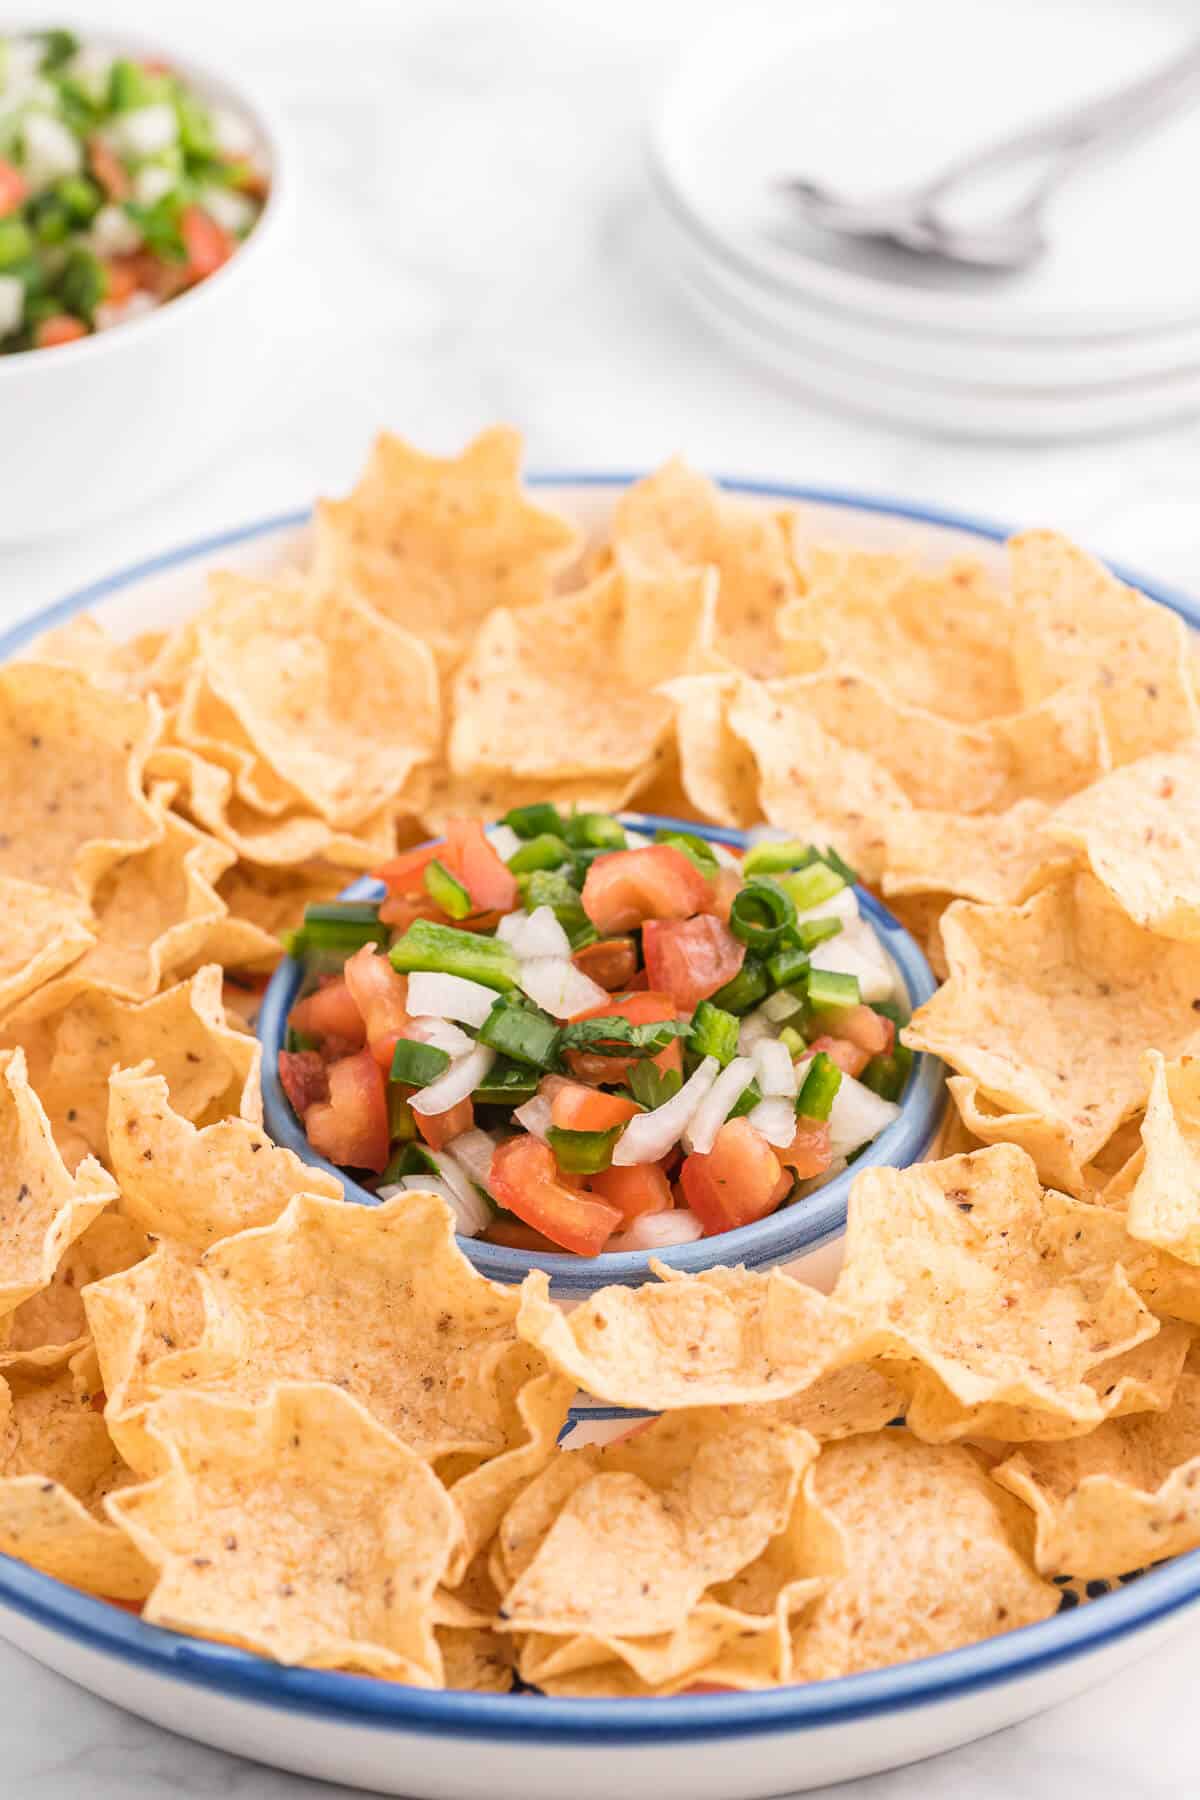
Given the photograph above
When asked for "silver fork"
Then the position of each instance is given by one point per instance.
(915, 216)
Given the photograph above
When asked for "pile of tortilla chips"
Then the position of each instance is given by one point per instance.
(262, 1415)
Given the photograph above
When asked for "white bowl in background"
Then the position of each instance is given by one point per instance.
(97, 426)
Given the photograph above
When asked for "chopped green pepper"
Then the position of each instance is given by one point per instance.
(582, 1152)
(444, 950)
(535, 821)
(594, 831)
(830, 989)
(750, 985)
(521, 1031)
(546, 851)
(447, 890)
(819, 1088)
(416, 1065)
(813, 885)
(714, 1033)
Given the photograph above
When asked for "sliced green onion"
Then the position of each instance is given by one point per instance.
(750, 985)
(613, 1035)
(16, 242)
(888, 1075)
(594, 831)
(652, 1087)
(447, 890)
(447, 951)
(746, 1101)
(693, 847)
(582, 1152)
(795, 1044)
(81, 197)
(507, 1083)
(770, 858)
(839, 866)
(83, 283)
(808, 933)
(409, 1159)
(819, 1089)
(546, 851)
(813, 885)
(402, 1126)
(416, 1065)
(129, 87)
(60, 47)
(788, 966)
(534, 821)
(714, 1033)
(761, 914)
(521, 1032)
(828, 989)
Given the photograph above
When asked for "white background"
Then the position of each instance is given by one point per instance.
(474, 243)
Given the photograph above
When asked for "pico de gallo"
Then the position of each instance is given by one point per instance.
(591, 1041)
(120, 187)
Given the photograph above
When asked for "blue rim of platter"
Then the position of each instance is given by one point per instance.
(534, 1720)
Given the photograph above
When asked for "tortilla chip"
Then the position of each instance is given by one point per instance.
(1028, 986)
(43, 1207)
(293, 666)
(676, 521)
(273, 900)
(83, 643)
(57, 1464)
(956, 1276)
(1077, 623)
(69, 816)
(541, 1404)
(42, 931)
(211, 1069)
(435, 543)
(842, 1404)
(527, 701)
(204, 723)
(716, 1339)
(999, 858)
(1139, 829)
(936, 639)
(379, 1300)
(717, 768)
(475, 1659)
(921, 916)
(192, 1186)
(55, 1314)
(1164, 1203)
(909, 1590)
(138, 1316)
(1126, 1496)
(299, 1529)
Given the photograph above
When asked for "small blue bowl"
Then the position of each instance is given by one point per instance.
(794, 1232)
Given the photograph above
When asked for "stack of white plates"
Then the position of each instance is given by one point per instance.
(1101, 334)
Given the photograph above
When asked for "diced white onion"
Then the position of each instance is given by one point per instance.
(775, 1118)
(504, 841)
(431, 995)
(542, 935)
(473, 1151)
(51, 151)
(152, 182)
(234, 135)
(775, 1071)
(649, 1136)
(755, 1026)
(472, 1211)
(113, 233)
(441, 1035)
(457, 1083)
(535, 1116)
(144, 131)
(12, 303)
(91, 67)
(471, 1215)
(780, 1006)
(847, 957)
(658, 1231)
(136, 307)
(843, 905)
(511, 926)
(715, 1108)
(20, 60)
(558, 987)
(857, 1117)
(234, 212)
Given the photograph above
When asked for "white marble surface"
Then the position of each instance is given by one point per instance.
(475, 244)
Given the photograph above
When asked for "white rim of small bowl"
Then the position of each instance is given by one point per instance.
(792, 1232)
(533, 1719)
(273, 137)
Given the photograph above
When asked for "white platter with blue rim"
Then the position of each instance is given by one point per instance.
(462, 1746)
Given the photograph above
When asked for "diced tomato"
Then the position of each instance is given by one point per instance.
(809, 1152)
(516, 1236)
(612, 962)
(644, 1188)
(12, 188)
(690, 958)
(304, 1079)
(639, 1009)
(482, 871)
(381, 996)
(330, 1012)
(404, 873)
(574, 1107)
(351, 1127)
(60, 328)
(525, 1180)
(863, 1026)
(850, 1059)
(440, 1129)
(738, 1181)
(659, 882)
(108, 169)
(727, 884)
(206, 244)
(154, 65)
(120, 280)
(153, 274)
